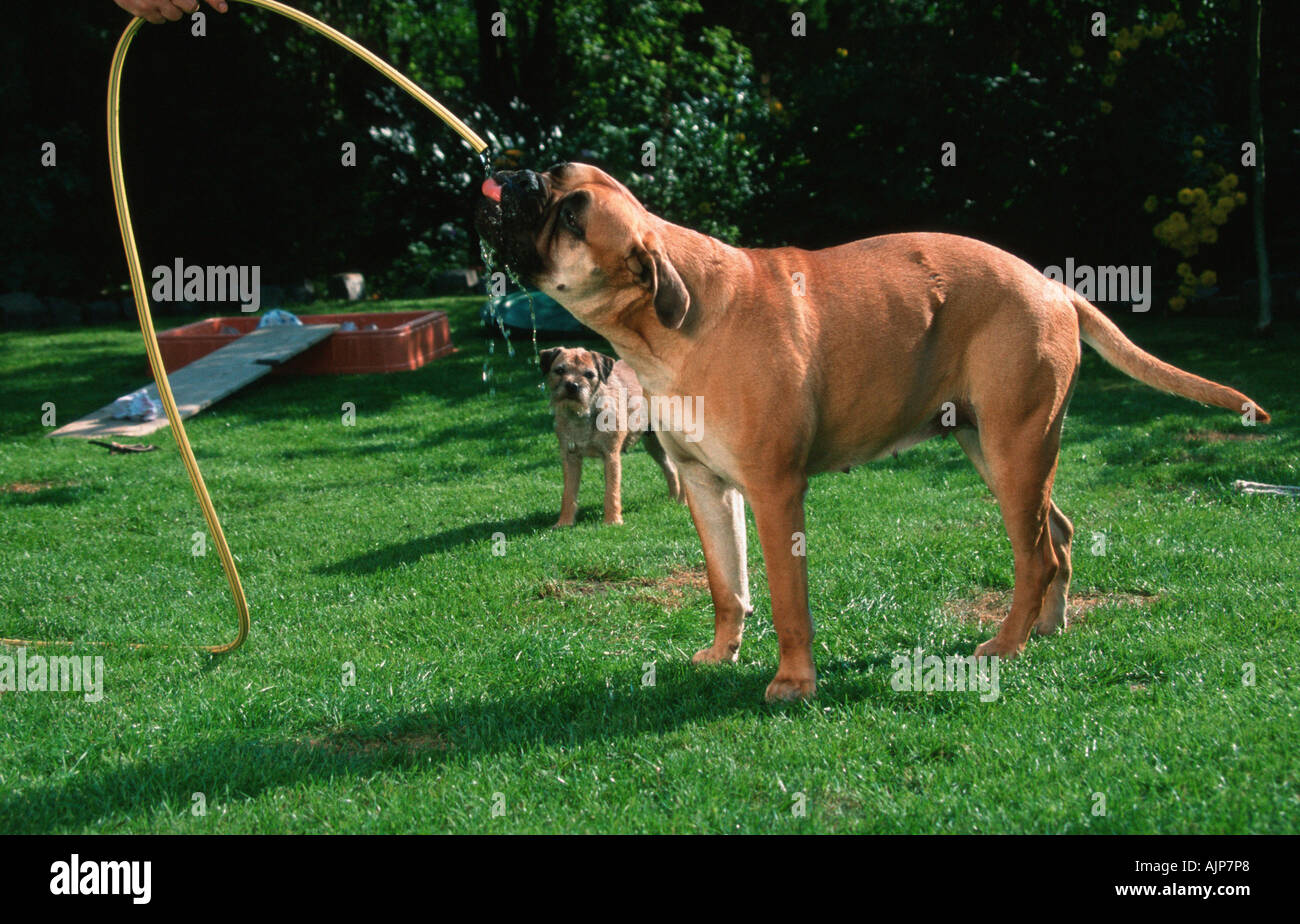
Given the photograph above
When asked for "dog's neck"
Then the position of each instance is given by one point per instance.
(708, 268)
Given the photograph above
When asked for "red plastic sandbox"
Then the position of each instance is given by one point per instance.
(405, 340)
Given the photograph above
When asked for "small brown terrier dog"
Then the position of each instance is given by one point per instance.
(581, 384)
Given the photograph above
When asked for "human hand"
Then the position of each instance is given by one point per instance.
(160, 11)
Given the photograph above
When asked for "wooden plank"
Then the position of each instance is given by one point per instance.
(1255, 487)
(206, 381)
(288, 342)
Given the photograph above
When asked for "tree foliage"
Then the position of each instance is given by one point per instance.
(757, 134)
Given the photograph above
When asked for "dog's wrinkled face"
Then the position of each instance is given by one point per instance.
(574, 376)
(577, 234)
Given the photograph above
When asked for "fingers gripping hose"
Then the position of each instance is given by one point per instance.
(140, 291)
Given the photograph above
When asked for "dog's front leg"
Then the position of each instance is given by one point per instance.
(779, 518)
(719, 514)
(572, 478)
(613, 488)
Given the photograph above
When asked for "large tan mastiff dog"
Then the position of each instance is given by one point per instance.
(812, 362)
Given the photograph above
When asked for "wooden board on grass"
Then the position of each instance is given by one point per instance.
(206, 381)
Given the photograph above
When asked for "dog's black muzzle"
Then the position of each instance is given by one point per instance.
(510, 222)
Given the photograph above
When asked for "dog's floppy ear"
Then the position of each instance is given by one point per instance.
(658, 273)
(604, 364)
(547, 357)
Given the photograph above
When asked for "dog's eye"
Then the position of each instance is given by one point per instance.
(589, 374)
(558, 370)
(571, 221)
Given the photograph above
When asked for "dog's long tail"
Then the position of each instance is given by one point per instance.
(1100, 333)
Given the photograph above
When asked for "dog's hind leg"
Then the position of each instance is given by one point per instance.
(656, 450)
(1019, 464)
(719, 514)
(1053, 614)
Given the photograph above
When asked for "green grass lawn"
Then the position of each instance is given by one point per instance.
(521, 674)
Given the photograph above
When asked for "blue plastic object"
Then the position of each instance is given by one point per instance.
(513, 311)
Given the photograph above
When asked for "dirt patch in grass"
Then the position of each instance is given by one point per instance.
(29, 487)
(1218, 436)
(992, 606)
(670, 591)
(350, 743)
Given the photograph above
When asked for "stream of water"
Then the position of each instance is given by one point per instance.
(489, 270)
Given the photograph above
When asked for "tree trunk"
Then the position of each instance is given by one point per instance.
(1265, 320)
(496, 72)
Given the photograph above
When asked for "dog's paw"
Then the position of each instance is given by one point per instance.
(997, 647)
(560, 524)
(613, 521)
(790, 689)
(717, 654)
(1045, 626)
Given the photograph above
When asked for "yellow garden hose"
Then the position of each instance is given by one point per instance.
(141, 293)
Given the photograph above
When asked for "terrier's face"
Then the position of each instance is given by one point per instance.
(574, 377)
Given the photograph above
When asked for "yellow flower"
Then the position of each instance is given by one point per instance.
(842, 52)
(1187, 288)
(1198, 154)
(1115, 55)
(1229, 181)
(1108, 80)
(1184, 270)
(1157, 32)
(1177, 303)
(1105, 107)
(1208, 278)
(1209, 236)
(1218, 216)
(1076, 50)
(1139, 31)
(1151, 204)
(1198, 142)
(1185, 196)
(1240, 197)
(1225, 203)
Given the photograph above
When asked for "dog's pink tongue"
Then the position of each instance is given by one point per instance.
(492, 189)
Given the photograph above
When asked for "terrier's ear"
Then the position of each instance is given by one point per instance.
(604, 364)
(672, 301)
(547, 357)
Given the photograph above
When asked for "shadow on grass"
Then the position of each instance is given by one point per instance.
(519, 433)
(58, 496)
(391, 556)
(579, 712)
